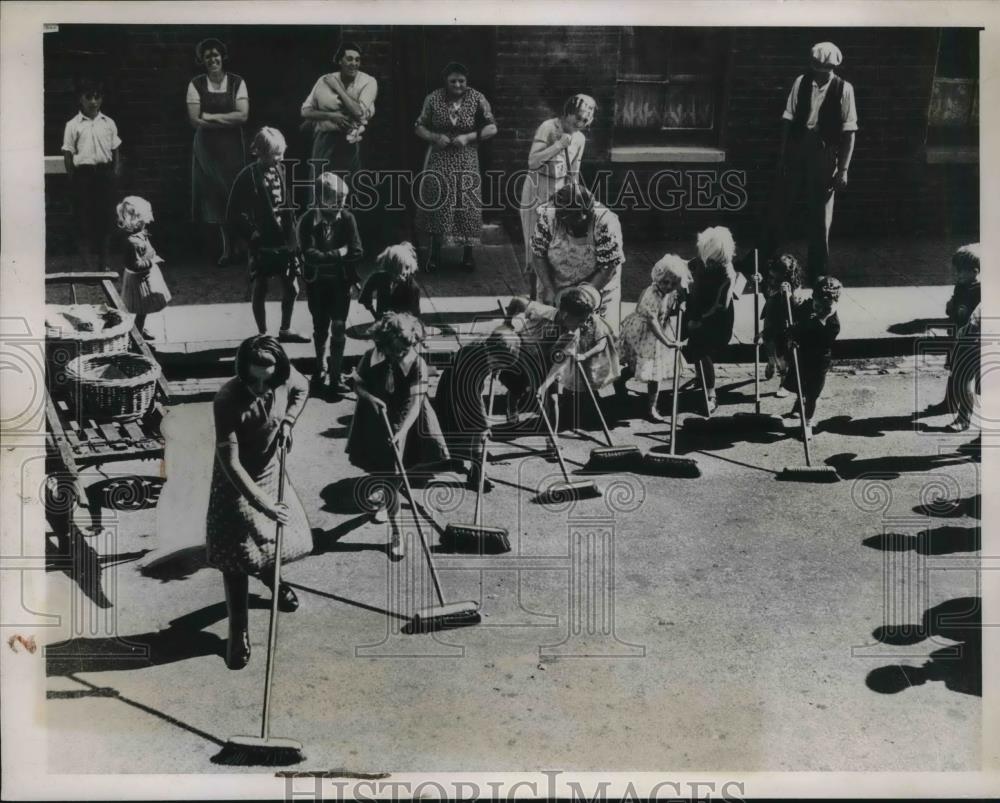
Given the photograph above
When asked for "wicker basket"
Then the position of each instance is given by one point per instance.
(119, 387)
(65, 344)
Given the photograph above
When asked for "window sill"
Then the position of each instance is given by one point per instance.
(952, 154)
(55, 165)
(667, 153)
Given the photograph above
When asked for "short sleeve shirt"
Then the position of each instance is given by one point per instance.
(848, 110)
(91, 141)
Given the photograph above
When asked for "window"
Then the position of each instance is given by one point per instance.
(670, 86)
(953, 116)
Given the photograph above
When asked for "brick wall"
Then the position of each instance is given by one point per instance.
(534, 69)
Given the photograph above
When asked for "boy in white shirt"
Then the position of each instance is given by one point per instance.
(90, 150)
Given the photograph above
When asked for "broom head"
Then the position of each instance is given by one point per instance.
(613, 458)
(476, 539)
(560, 492)
(666, 465)
(809, 474)
(444, 617)
(253, 751)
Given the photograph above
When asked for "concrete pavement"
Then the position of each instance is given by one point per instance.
(731, 622)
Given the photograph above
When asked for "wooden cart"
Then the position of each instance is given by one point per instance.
(74, 442)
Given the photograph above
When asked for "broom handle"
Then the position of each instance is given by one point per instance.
(593, 398)
(482, 466)
(272, 634)
(413, 504)
(552, 435)
(756, 334)
(798, 384)
(673, 396)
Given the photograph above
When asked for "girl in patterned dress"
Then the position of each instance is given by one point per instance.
(648, 335)
(143, 290)
(254, 416)
(394, 377)
(453, 120)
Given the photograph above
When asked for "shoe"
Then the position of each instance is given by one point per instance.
(339, 387)
(238, 650)
(809, 432)
(288, 602)
(713, 404)
(290, 336)
(472, 484)
(769, 372)
(147, 335)
(940, 407)
(957, 426)
(656, 416)
(469, 265)
(319, 381)
(781, 393)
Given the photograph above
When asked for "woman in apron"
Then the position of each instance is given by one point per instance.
(554, 160)
(577, 239)
(218, 106)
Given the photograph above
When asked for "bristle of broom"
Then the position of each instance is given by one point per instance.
(671, 466)
(476, 539)
(252, 751)
(564, 492)
(443, 617)
(809, 474)
(613, 457)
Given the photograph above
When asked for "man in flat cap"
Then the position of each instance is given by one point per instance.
(817, 141)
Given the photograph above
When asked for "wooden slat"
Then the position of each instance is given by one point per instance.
(84, 277)
(135, 432)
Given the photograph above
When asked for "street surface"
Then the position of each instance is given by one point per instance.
(731, 622)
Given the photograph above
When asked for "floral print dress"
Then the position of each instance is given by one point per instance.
(650, 359)
(450, 197)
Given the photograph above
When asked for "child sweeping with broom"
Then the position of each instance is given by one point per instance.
(459, 397)
(783, 270)
(648, 337)
(814, 329)
(394, 377)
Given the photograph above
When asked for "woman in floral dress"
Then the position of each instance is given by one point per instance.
(454, 120)
(579, 240)
(254, 416)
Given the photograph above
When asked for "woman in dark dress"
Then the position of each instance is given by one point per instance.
(254, 416)
(709, 317)
(453, 120)
(218, 106)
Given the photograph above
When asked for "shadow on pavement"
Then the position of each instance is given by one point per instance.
(179, 565)
(936, 541)
(952, 508)
(71, 554)
(185, 638)
(875, 427)
(849, 467)
(329, 540)
(958, 666)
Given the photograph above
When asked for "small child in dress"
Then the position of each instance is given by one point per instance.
(815, 328)
(963, 361)
(392, 287)
(708, 324)
(143, 290)
(648, 336)
(783, 270)
(459, 398)
(394, 378)
(90, 152)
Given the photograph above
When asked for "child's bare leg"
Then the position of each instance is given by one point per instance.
(395, 546)
(338, 342)
(652, 396)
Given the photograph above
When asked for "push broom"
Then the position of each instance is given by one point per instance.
(266, 750)
(670, 465)
(567, 489)
(808, 472)
(444, 614)
(478, 538)
(610, 457)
